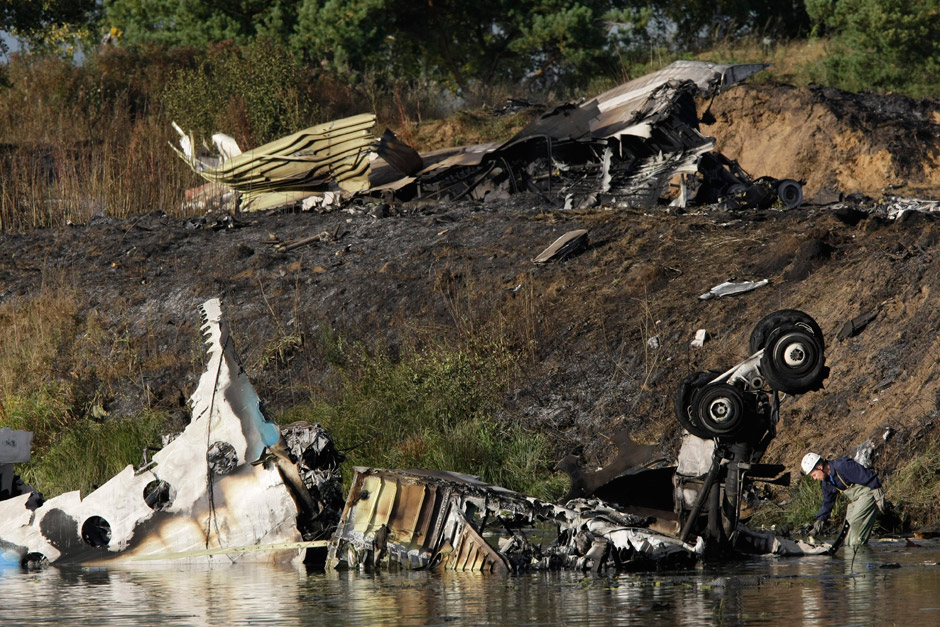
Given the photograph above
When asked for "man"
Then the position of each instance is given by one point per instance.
(859, 484)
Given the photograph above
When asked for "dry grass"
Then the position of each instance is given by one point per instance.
(793, 62)
(59, 168)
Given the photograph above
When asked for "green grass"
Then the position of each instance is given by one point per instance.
(43, 411)
(432, 409)
(799, 508)
(87, 454)
(56, 369)
(915, 487)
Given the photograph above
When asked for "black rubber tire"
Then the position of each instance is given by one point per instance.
(719, 409)
(790, 193)
(793, 361)
(683, 402)
(783, 317)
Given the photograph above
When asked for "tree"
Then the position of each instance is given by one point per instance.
(47, 22)
(881, 44)
(691, 24)
(463, 43)
(200, 22)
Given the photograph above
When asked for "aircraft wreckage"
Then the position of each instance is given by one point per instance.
(233, 486)
(622, 149)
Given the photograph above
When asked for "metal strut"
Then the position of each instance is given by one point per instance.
(710, 479)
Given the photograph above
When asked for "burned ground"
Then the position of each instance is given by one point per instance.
(389, 274)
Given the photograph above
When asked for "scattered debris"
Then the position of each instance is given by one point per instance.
(701, 336)
(855, 326)
(622, 148)
(896, 206)
(730, 288)
(265, 493)
(423, 519)
(568, 245)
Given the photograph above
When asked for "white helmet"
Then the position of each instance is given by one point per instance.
(809, 462)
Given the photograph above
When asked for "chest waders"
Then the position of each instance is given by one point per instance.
(861, 512)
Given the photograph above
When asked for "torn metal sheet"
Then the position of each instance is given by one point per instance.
(730, 288)
(229, 480)
(419, 519)
(290, 168)
(15, 446)
(857, 324)
(568, 245)
(701, 336)
(15, 449)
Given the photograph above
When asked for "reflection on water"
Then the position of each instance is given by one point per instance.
(887, 582)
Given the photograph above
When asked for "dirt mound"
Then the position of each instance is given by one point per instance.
(830, 138)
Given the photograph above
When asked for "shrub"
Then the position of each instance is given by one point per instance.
(434, 409)
(256, 93)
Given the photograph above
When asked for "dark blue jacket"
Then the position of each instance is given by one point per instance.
(843, 474)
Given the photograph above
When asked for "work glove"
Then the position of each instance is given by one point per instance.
(818, 527)
(879, 495)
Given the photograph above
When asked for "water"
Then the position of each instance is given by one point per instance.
(806, 591)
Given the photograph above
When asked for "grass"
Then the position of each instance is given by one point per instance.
(88, 453)
(433, 408)
(57, 367)
(794, 62)
(915, 487)
(798, 508)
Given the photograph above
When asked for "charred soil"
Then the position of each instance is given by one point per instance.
(606, 333)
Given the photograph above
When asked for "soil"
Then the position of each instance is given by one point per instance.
(389, 274)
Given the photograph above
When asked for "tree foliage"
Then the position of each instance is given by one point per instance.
(701, 22)
(200, 22)
(257, 92)
(881, 44)
(461, 43)
(43, 23)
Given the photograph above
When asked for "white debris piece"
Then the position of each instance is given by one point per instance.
(729, 288)
(700, 337)
(226, 146)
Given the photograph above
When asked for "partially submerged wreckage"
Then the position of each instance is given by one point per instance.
(231, 485)
(622, 148)
(234, 487)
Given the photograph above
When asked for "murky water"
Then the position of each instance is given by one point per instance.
(886, 583)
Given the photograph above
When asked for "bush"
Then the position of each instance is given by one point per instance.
(256, 93)
(800, 508)
(915, 488)
(434, 409)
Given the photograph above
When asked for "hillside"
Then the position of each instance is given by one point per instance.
(389, 276)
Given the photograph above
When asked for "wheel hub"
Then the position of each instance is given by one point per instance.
(721, 409)
(795, 355)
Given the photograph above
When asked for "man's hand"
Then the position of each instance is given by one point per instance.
(879, 495)
(818, 527)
